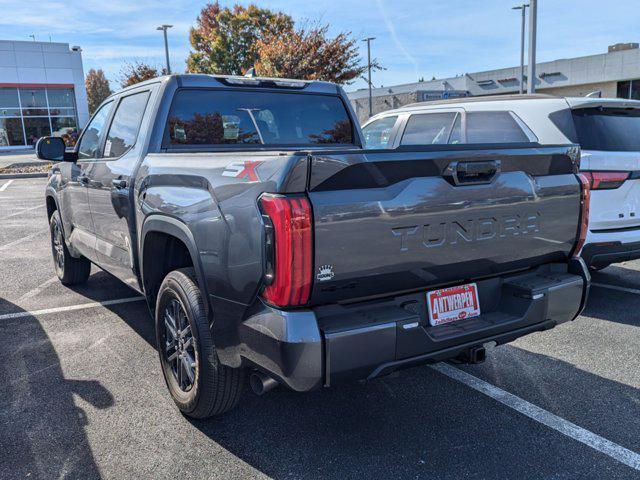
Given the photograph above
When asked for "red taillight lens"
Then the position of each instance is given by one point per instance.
(585, 197)
(291, 255)
(606, 180)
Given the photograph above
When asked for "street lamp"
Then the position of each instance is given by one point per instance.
(368, 40)
(522, 7)
(164, 29)
(533, 21)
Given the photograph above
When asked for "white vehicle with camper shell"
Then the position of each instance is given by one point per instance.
(607, 130)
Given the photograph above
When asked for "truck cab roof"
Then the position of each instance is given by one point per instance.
(200, 80)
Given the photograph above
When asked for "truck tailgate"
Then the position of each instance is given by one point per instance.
(394, 221)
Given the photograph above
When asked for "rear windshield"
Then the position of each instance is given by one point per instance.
(244, 117)
(608, 129)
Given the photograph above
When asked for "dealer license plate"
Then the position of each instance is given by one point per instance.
(453, 303)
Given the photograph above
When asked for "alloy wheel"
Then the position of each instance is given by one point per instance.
(179, 345)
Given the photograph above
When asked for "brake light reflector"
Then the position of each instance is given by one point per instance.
(585, 197)
(606, 180)
(291, 245)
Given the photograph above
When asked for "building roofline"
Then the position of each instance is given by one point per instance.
(483, 98)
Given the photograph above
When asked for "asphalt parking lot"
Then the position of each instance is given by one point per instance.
(82, 395)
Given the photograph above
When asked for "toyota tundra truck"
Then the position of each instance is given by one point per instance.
(268, 241)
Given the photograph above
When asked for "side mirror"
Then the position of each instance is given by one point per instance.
(51, 148)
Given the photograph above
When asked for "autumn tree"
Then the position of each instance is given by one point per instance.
(97, 87)
(136, 72)
(224, 39)
(310, 54)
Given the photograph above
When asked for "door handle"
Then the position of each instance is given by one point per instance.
(119, 183)
(470, 173)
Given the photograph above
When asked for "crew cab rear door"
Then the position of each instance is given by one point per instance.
(110, 179)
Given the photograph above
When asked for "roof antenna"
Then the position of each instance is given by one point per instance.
(596, 94)
(250, 73)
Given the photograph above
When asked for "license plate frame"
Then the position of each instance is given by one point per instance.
(452, 304)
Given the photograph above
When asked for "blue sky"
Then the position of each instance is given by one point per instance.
(415, 38)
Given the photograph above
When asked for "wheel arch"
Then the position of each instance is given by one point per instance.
(162, 228)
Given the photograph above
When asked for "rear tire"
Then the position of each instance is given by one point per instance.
(198, 383)
(70, 270)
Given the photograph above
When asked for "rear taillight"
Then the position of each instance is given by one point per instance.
(605, 180)
(585, 197)
(289, 249)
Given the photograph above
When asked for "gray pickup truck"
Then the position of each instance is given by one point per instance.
(267, 240)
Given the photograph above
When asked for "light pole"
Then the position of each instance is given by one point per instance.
(522, 7)
(533, 20)
(164, 29)
(368, 40)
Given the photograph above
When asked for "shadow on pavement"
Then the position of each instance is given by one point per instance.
(423, 425)
(613, 305)
(41, 428)
(618, 274)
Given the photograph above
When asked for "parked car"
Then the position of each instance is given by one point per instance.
(607, 129)
(266, 239)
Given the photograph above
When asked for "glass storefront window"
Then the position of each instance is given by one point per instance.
(635, 90)
(61, 97)
(9, 98)
(34, 101)
(629, 89)
(623, 89)
(11, 132)
(9, 104)
(36, 127)
(65, 127)
(26, 114)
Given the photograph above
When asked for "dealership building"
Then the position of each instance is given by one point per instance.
(615, 73)
(42, 92)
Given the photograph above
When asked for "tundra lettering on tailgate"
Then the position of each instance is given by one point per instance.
(433, 235)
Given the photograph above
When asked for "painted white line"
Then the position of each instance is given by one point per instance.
(39, 289)
(20, 240)
(20, 212)
(616, 287)
(601, 444)
(5, 185)
(70, 308)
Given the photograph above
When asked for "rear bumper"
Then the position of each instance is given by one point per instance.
(604, 253)
(611, 245)
(327, 345)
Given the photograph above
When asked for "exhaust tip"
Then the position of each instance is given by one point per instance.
(261, 383)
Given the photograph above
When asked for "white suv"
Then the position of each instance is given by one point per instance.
(607, 129)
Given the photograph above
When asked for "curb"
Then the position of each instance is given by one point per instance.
(7, 176)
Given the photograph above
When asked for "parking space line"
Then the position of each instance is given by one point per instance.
(20, 212)
(616, 287)
(39, 289)
(20, 240)
(5, 185)
(601, 444)
(70, 308)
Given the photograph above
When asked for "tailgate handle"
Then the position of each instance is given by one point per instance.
(472, 173)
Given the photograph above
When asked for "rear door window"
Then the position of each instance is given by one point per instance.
(248, 117)
(428, 128)
(494, 127)
(90, 140)
(378, 133)
(608, 129)
(125, 125)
